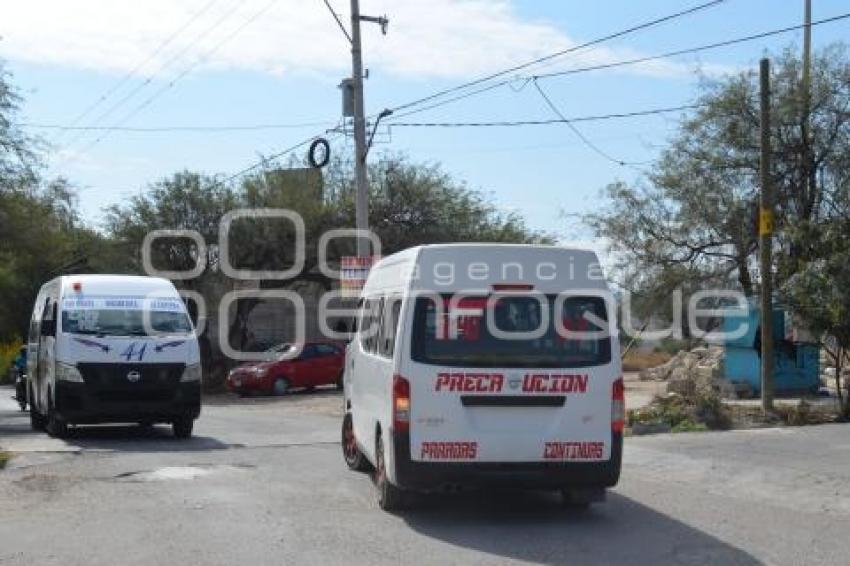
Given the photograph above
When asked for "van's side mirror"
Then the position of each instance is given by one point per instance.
(48, 328)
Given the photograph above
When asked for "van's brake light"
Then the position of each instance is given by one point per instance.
(401, 404)
(618, 406)
(513, 287)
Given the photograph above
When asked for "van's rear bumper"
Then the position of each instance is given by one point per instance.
(543, 475)
(77, 404)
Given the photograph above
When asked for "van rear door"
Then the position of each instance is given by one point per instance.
(482, 391)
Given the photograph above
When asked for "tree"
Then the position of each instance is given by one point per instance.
(18, 158)
(694, 217)
(819, 294)
(410, 205)
(40, 233)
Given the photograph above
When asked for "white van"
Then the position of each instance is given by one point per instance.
(112, 348)
(485, 364)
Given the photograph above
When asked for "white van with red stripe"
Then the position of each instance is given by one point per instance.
(478, 364)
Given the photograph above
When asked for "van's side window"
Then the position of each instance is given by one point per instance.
(34, 326)
(377, 325)
(365, 323)
(389, 326)
(370, 320)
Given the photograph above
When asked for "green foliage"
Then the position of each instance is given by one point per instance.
(702, 411)
(410, 204)
(8, 353)
(818, 294)
(692, 222)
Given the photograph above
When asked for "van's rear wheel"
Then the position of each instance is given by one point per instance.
(390, 497)
(354, 458)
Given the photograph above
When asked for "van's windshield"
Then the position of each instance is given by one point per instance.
(464, 338)
(125, 316)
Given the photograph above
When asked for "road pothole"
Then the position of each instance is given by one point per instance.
(178, 473)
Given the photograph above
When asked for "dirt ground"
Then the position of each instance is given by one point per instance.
(328, 401)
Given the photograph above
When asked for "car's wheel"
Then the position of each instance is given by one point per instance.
(390, 497)
(182, 427)
(280, 386)
(338, 382)
(354, 458)
(56, 426)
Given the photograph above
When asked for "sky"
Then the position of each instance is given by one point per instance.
(163, 63)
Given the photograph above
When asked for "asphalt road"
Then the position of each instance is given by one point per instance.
(263, 482)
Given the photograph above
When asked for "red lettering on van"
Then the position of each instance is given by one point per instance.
(573, 450)
(554, 383)
(449, 451)
(469, 382)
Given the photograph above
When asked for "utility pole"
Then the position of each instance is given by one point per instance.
(809, 173)
(361, 147)
(765, 235)
(807, 52)
(361, 175)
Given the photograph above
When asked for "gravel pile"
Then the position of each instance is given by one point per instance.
(689, 373)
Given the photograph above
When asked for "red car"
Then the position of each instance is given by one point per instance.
(319, 363)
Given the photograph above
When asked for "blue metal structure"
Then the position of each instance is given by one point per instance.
(796, 364)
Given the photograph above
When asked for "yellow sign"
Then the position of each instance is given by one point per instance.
(765, 222)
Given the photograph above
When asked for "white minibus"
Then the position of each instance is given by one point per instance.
(112, 348)
(478, 364)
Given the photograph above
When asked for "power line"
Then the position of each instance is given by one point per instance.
(158, 129)
(688, 50)
(623, 63)
(642, 26)
(186, 71)
(265, 160)
(109, 92)
(572, 127)
(559, 120)
(251, 127)
(453, 99)
(173, 59)
(338, 21)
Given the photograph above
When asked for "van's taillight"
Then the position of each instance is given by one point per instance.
(618, 406)
(401, 403)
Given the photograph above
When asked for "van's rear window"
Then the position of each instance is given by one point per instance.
(463, 338)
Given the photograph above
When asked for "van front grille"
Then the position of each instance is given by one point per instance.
(126, 383)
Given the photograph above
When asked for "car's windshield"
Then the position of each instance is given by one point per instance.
(125, 317)
(464, 338)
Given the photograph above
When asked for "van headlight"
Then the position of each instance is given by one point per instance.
(69, 373)
(191, 373)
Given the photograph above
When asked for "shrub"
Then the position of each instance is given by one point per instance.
(8, 353)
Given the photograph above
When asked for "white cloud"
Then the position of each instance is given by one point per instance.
(427, 38)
